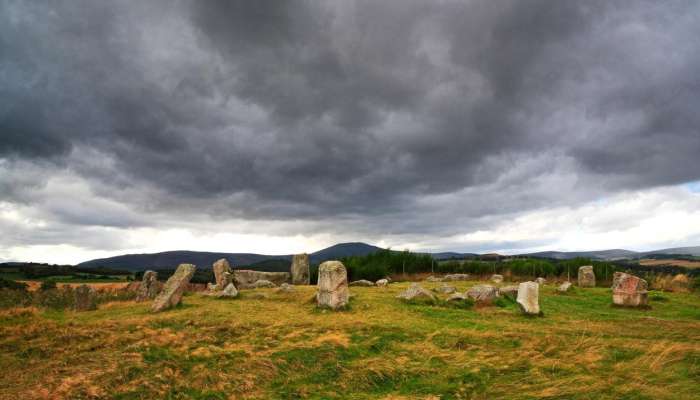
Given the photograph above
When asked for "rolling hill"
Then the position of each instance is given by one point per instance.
(170, 259)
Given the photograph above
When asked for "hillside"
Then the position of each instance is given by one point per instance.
(170, 259)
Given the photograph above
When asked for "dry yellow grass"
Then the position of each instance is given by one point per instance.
(283, 348)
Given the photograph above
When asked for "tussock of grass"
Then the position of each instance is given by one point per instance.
(283, 347)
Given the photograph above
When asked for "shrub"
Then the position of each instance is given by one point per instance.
(57, 299)
(10, 284)
(10, 298)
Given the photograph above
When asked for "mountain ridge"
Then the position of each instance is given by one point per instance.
(170, 259)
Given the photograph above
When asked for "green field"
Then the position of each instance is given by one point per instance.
(283, 347)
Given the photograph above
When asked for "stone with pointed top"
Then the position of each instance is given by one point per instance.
(174, 288)
(300, 269)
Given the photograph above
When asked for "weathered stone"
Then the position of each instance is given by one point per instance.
(211, 287)
(483, 294)
(586, 276)
(222, 273)
(300, 269)
(458, 297)
(456, 277)
(445, 289)
(529, 298)
(257, 295)
(497, 278)
(174, 288)
(149, 287)
(433, 279)
(629, 290)
(229, 291)
(416, 292)
(285, 287)
(245, 278)
(680, 283)
(333, 289)
(263, 283)
(540, 281)
(362, 282)
(382, 283)
(85, 298)
(564, 287)
(508, 291)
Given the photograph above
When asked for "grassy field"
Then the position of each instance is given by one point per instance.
(282, 347)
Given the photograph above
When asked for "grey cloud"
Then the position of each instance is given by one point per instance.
(349, 111)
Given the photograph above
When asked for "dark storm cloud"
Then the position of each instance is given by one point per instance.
(280, 110)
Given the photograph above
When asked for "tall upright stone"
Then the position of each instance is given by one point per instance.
(586, 276)
(149, 287)
(629, 290)
(222, 273)
(85, 298)
(529, 298)
(174, 288)
(300, 269)
(332, 285)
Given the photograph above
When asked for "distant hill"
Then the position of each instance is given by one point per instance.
(692, 251)
(596, 255)
(262, 262)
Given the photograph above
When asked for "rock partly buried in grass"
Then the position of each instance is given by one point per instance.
(445, 289)
(285, 288)
(245, 278)
(85, 298)
(629, 290)
(174, 288)
(540, 281)
(263, 283)
(455, 277)
(497, 278)
(222, 274)
(680, 283)
(564, 287)
(149, 286)
(483, 294)
(300, 269)
(433, 279)
(362, 282)
(382, 282)
(586, 276)
(456, 297)
(508, 291)
(529, 298)
(229, 291)
(416, 292)
(333, 289)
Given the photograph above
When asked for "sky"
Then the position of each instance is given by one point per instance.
(282, 127)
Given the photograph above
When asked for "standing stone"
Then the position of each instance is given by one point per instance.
(564, 287)
(85, 298)
(483, 294)
(300, 269)
(497, 278)
(529, 298)
(222, 273)
(332, 285)
(174, 288)
(629, 290)
(149, 287)
(382, 283)
(586, 276)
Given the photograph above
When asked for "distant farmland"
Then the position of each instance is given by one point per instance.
(673, 261)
